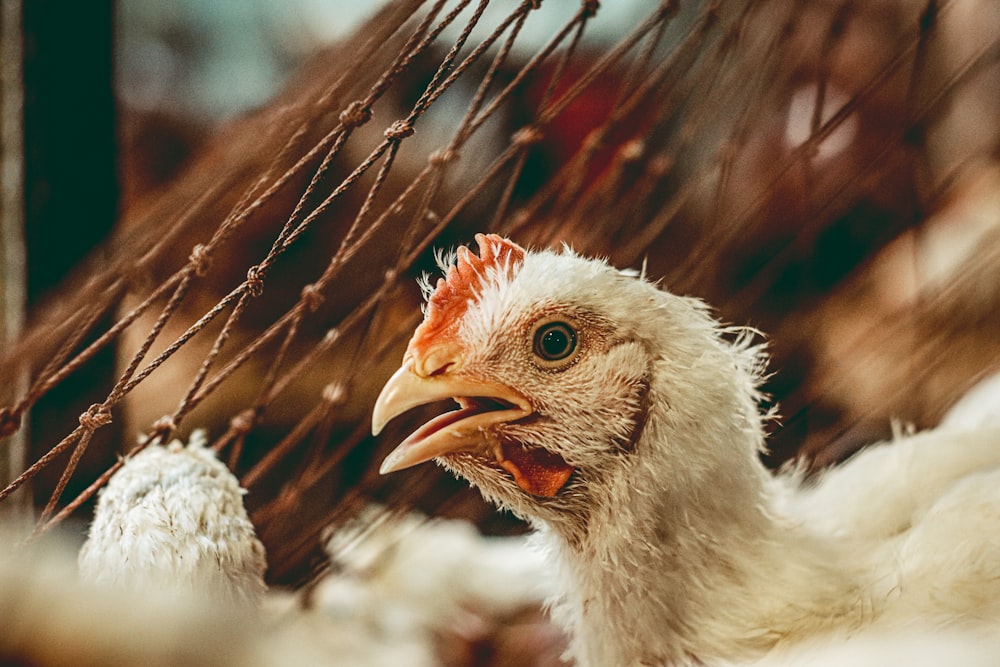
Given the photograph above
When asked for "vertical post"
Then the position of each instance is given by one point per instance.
(13, 286)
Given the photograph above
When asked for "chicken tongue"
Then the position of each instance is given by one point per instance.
(536, 471)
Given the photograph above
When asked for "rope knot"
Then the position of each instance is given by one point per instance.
(441, 156)
(255, 283)
(355, 114)
(669, 9)
(95, 417)
(163, 429)
(590, 7)
(243, 421)
(201, 259)
(10, 421)
(632, 150)
(313, 297)
(334, 393)
(399, 130)
(527, 136)
(593, 141)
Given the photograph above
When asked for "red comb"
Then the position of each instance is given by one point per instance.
(464, 282)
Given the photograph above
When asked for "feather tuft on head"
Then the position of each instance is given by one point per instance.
(465, 277)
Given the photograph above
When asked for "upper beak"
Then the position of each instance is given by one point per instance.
(459, 430)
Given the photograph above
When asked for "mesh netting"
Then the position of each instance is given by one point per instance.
(825, 171)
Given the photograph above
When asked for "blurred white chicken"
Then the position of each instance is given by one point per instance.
(173, 518)
(623, 422)
(427, 589)
(171, 540)
(460, 570)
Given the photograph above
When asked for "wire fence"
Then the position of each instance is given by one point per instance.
(800, 165)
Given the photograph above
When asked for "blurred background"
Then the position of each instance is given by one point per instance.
(214, 213)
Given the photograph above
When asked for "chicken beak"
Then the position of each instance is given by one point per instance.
(458, 430)
(404, 391)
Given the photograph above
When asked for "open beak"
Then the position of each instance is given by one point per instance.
(482, 404)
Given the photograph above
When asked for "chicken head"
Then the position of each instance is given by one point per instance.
(549, 357)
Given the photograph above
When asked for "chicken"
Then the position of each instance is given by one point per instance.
(474, 595)
(52, 619)
(624, 423)
(368, 611)
(173, 518)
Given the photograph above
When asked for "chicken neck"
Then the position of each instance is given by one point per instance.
(684, 556)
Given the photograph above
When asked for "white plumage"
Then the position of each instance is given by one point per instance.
(170, 532)
(400, 586)
(173, 518)
(978, 408)
(623, 422)
(49, 618)
(459, 569)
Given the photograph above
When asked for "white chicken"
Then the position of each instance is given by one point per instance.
(172, 518)
(623, 422)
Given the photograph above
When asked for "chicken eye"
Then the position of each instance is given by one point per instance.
(554, 341)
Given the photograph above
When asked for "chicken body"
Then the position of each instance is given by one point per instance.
(623, 422)
(172, 518)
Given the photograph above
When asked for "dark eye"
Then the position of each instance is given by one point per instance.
(554, 341)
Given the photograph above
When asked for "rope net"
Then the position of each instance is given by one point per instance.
(826, 172)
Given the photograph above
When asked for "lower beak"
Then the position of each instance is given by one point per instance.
(464, 429)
